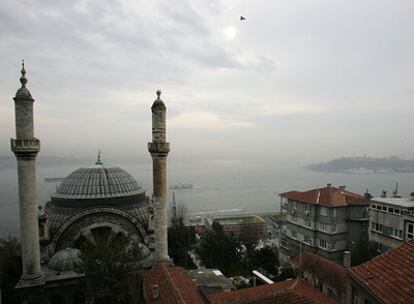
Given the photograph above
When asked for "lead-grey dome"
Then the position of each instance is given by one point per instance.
(98, 182)
(66, 259)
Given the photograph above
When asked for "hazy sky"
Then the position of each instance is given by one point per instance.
(297, 80)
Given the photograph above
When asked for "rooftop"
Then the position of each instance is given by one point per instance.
(237, 219)
(327, 196)
(286, 292)
(326, 270)
(389, 276)
(174, 285)
(98, 182)
(210, 278)
(396, 201)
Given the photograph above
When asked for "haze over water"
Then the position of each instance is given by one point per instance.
(216, 186)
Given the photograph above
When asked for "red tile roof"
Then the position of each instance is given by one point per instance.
(286, 292)
(328, 271)
(174, 284)
(389, 276)
(327, 196)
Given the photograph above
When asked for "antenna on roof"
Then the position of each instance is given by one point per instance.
(395, 192)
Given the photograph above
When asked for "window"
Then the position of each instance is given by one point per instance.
(384, 208)
(334, 212)
(333, 228)
(354, 296)
(323, 244)
(373, 206)
(308, 223)
(391, 209)
(333, 244)
(397, 211)
(308, 241)
(323, 211)
(294, 204)
(323, 226)
(293, 234)
(410, 231)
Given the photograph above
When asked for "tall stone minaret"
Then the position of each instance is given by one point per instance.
(159, 148)
(25, 147)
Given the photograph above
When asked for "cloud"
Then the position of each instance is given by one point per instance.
(277, 109)
(205, 120)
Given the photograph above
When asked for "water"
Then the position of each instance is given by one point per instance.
(215, 187)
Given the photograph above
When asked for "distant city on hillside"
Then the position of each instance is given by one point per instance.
(366, 164)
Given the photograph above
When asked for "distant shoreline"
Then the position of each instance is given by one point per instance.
(365, 165)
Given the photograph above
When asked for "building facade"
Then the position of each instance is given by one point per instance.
(391, 221)
(326, 221)
(247, 228)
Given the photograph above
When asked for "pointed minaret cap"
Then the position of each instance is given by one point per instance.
(158, 103)
(23, 92)
(99, 161)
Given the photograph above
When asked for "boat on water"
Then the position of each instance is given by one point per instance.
(53, 179)
(181, 186)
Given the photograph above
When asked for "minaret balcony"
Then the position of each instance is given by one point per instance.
(156, 147)
(25, 145)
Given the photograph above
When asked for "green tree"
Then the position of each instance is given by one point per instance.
(264, 260)
(112, 269)
(181, 240)
(222, 251)
(10, 269)
(363, 251)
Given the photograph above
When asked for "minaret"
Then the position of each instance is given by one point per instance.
(159, 149)
(25, 147)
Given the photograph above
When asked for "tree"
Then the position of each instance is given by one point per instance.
(111, 267)
(181, 240)
(363, 251)
(10, 269)
(222, 251)
(264, 260)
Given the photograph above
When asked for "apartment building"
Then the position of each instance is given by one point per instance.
(391, 221)
(247, 228)
(326, 221)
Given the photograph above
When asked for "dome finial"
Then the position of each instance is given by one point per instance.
(23, 79)
(158, 94)
(99, 161)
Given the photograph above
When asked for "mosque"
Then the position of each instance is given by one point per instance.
(91, 202)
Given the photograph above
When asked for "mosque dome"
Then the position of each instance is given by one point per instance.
(65, 260)
(98, 182)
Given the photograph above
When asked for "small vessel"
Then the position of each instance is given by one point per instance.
(53, 179)
(181, 186)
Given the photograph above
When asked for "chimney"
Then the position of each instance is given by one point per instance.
(342, 187)
(328, 185)
(367, 195)
(384, 194)
(155, 292)
(347, 259)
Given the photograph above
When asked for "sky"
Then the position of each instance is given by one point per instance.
(298, 81)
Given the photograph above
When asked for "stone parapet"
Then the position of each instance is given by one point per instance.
(25, 147)
(159, 148)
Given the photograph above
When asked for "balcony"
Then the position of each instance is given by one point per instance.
(25, 146)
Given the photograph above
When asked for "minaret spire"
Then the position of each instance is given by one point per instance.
(25, 147)
(159, 148)
(23, 79)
